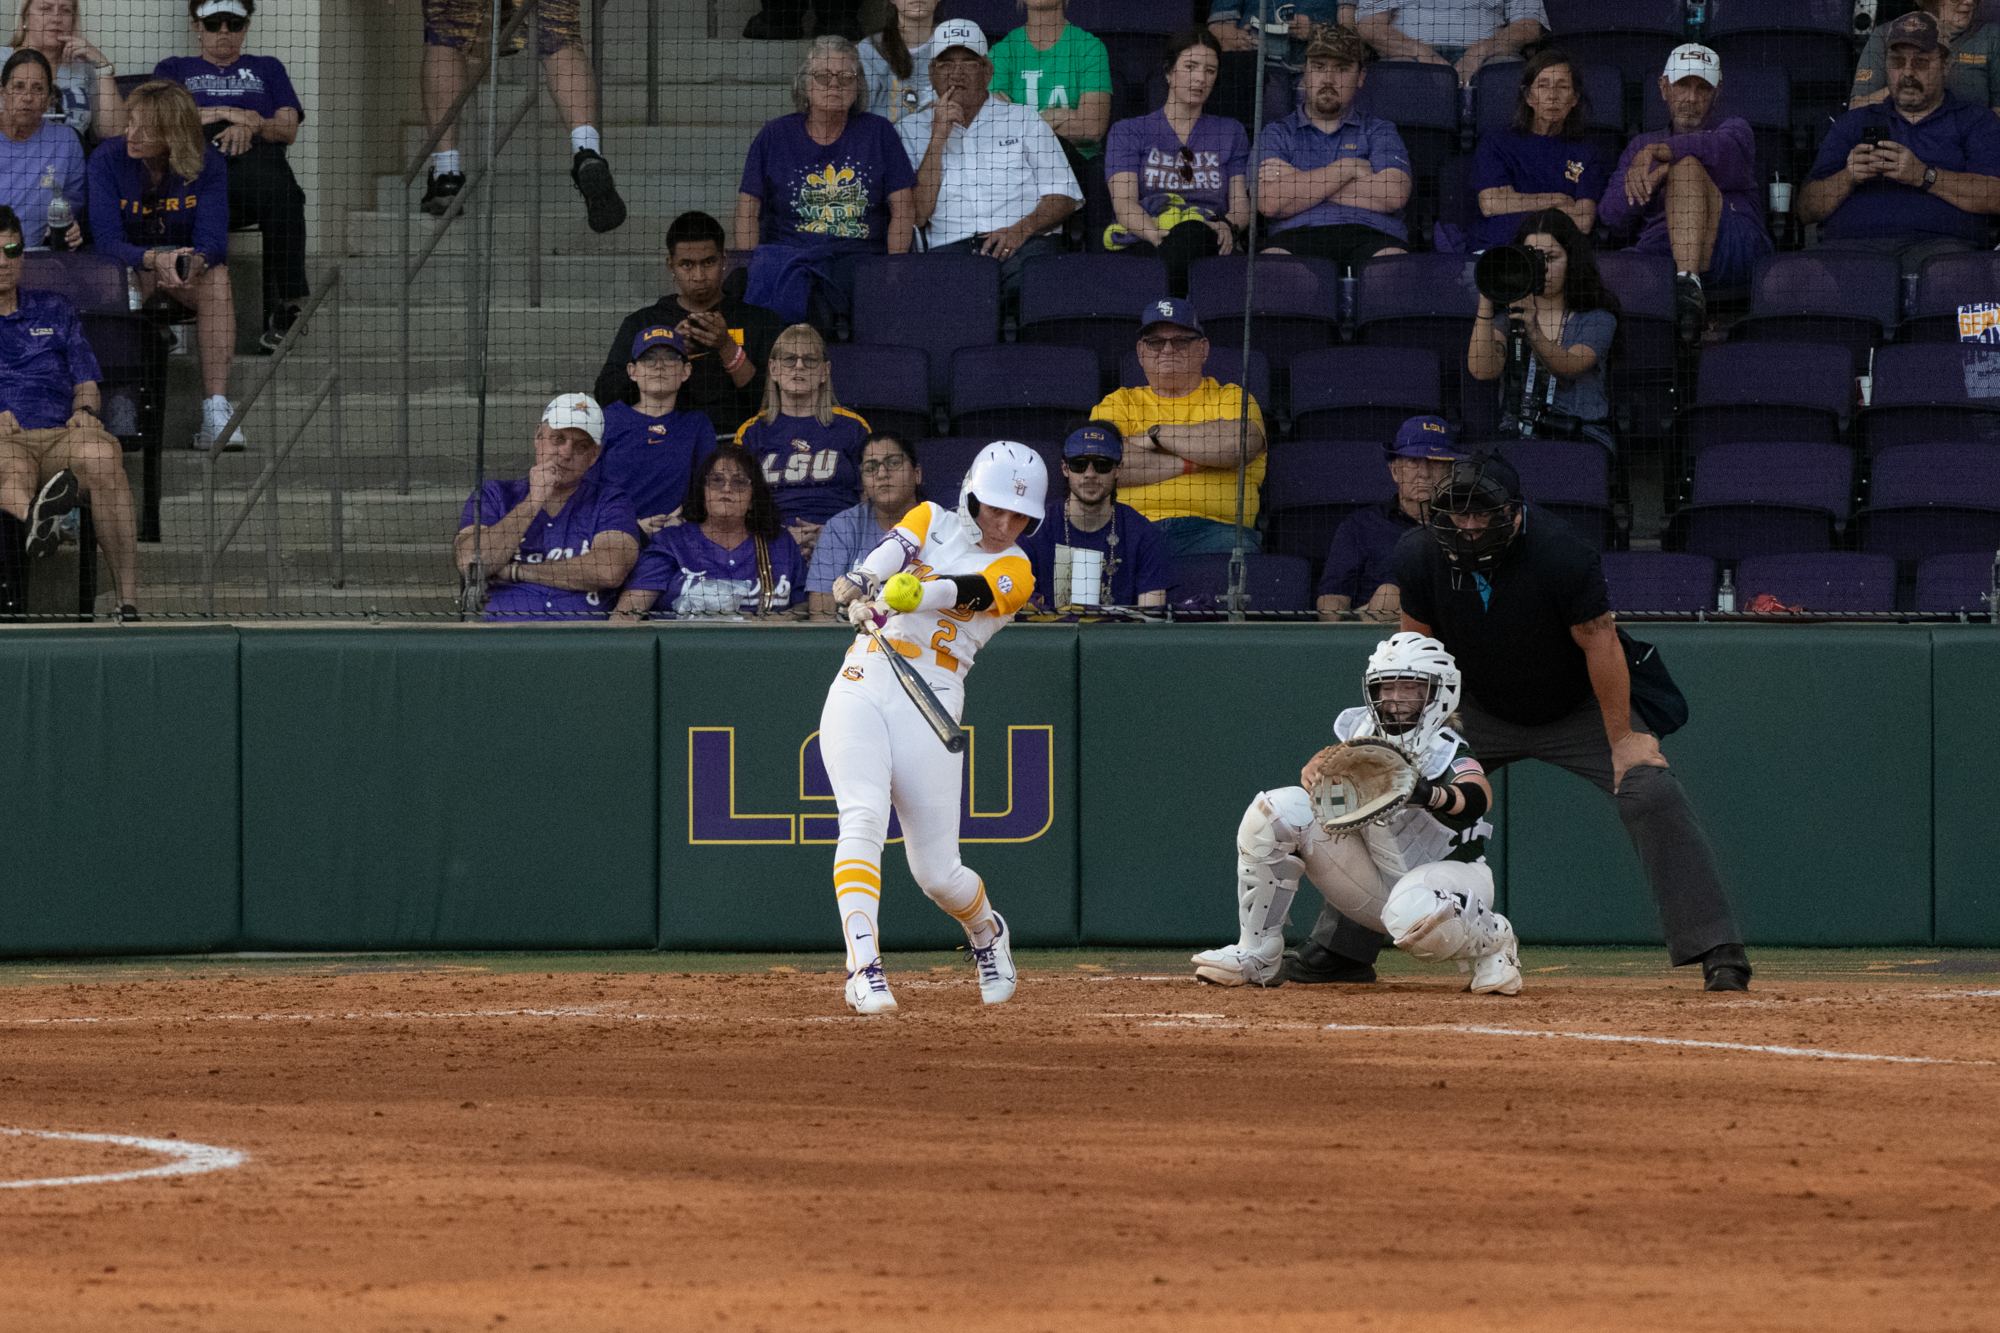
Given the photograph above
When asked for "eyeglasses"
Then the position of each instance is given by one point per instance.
(726, 481)
(1187, 165)
(225, 23)
(884, 465)
(1170, 345)
(800, 362)
(1089, 463)
(13, 249)
(826, 78)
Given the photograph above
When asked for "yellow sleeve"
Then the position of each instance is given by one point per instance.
(917, 523)
(1013, 581)
(1118, 408)
(744, 429)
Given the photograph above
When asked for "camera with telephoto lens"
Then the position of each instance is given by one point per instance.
(1509, 273)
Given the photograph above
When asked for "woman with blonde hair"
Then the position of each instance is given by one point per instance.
(807, 446)
(86, 80)
(159, 204)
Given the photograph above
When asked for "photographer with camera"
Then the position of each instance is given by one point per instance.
(1549, 352)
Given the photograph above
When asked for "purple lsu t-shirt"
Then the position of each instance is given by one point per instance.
(592, 508)
(254, 83)
(697, 577)
(814, 470)
(1150, 148)
(1531, 164)
(650, 458)
(826, 195)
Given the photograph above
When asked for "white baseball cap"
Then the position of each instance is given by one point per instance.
(1696, 60)
(958, 32)
(576, 411)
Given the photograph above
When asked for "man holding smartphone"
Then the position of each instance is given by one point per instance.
(1914, 176)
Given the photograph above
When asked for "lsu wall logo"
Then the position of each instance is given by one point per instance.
(1015, 802)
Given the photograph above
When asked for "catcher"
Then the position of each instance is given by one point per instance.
(1390, 824)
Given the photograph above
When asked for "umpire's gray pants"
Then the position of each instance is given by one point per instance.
(1679, 864)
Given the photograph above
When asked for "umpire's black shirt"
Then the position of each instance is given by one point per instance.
(709, 389)
(1511, 635)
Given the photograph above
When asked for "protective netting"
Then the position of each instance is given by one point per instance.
(443, 214)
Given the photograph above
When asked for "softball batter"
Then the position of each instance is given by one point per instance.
(938, 587)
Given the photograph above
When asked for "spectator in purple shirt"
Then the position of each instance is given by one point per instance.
(1333, 182)
(1693, 189)
(159, 203)
(1178, 177)
(1541, 160)
(732, 557)
(250, 112)
(556, 544)
(1927, 184)
(1360, 573)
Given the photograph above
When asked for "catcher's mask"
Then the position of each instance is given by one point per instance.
(1480, 488)
(1415, 723)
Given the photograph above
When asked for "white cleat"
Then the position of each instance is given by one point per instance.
(1499, 972)
(995, 965)
(868, 991)
(1234, 965)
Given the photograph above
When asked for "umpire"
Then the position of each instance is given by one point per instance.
(1520, 602)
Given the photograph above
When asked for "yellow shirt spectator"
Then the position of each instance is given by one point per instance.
(1207, 492)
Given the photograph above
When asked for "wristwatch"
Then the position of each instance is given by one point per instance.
(1930, 179)
(1153, 434)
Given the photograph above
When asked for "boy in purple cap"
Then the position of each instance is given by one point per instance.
(650, 446)
(1361, 562)
(1134, 563)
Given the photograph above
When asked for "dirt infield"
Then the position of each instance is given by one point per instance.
(436, 1145)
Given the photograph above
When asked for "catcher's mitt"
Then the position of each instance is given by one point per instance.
(1362, 781)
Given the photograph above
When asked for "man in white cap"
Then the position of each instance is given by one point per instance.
(558, 543)
(991, 175)
(1692, 189)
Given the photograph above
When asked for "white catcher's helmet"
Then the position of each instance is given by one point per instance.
(1006, 475)
(1409, 656)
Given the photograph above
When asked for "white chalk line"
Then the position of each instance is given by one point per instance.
(1809, 1051)
(190, 1159)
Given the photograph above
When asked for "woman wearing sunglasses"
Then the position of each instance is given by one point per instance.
(159, 204)
(1179, 177)
(249, 111)
(807, 446)
(86, 80)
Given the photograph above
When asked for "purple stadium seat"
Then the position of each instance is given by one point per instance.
(1134, 33)
(1640, 376)
(1423, 301)
(1766, 498)
(1961, 581)
(1570, 479)
(1848, 298)
(1931, 392)
(1224, 366)
(1768, 391)
(1090, 301)
(1631, 36)
(1270, 582)
(1946, 283)
(1295, 304)
(896, 303)
(888, 385)
(1310, 488)
(1659, 581)
(1932, 499)
(1810, 38)
(1421, 101)
(945, 462)
(1361, 393)
(1021, 392)
(1835, 581)
(1458, 202)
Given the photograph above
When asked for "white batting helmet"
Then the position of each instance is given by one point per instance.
(1008, 476)
(1409, 656)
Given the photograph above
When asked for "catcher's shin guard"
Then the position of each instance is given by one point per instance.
(1267, 879)
(1443, 921)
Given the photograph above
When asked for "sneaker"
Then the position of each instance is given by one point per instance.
(1499, 972)
(128, 614)
(868, 991)
(276, 326)
(1234, 965)
(443, 188)
(592, 175)
(995, 964)
(1312, 965)
(1690, 307)
(45, 512)
(215, 414)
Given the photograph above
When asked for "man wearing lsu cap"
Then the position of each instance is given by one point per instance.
(650, 447)
(556, 544)
(1182, 434)
(1922, 190)
(991, 175)
(1361, 562)
(1134, 566)
(1692, 189)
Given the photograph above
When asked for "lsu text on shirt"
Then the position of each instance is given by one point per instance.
(43, 357)
(814, 471)
(931, 542)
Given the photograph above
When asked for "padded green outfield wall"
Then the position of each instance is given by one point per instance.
(179, 789)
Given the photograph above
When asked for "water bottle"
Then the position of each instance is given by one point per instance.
(1697, 18)
(60, 221)
(1725, 600)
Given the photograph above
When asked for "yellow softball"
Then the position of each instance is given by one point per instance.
(903, 592)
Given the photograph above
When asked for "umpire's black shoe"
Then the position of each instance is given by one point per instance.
(1726, 967)
(592, 175)
(1312, 965)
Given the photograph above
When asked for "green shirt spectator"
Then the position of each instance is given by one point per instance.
(1059, 70)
